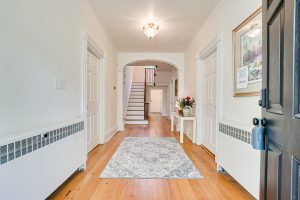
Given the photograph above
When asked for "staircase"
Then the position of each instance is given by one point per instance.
(135, 110)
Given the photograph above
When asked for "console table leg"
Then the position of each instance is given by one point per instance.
(181, 131)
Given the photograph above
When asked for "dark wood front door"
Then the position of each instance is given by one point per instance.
(281, 79)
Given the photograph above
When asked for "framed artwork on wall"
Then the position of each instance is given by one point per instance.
(176, 88)
(247, 56)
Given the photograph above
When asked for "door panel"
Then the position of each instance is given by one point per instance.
(92, 100)
(156, 101)
(209, 102)
(274, 172)
(279, 179)
(297, 61)
(296, 180)
(275, 61)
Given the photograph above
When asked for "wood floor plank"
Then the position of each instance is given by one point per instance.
(86, 184)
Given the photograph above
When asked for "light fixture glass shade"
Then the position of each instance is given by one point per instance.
(151, 30)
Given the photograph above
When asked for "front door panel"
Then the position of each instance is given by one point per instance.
(281, 78)
(275, 61)
(274, 171)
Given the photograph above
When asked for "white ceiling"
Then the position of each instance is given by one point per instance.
(179, 21)
(161, 66)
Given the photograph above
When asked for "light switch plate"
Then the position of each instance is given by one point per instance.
(59, 84)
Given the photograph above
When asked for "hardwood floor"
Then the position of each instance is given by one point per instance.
(87, 185)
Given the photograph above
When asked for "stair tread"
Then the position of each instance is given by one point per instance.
(135, 106)
(136, 120)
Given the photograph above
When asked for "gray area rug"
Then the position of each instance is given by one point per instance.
(150, 157)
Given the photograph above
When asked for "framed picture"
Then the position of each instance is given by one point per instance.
(247, 56)
(176, 88)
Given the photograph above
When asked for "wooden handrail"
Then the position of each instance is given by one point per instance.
(148, 72)
(145, 104)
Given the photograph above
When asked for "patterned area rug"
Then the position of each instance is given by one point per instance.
(150, 157)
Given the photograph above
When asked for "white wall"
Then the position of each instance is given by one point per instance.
(237, 112)
(163, 77)
(128, 74)
(138, 74)
(42, 40)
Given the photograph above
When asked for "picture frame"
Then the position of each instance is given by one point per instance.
(176, 88)
(247, 56)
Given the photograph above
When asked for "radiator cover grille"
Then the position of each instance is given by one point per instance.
(25, 146)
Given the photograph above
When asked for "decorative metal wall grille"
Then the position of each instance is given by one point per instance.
(237, 133)
(22, 147)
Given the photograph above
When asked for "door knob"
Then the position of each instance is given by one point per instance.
(264, 122)
(258, 133)
(256, 121)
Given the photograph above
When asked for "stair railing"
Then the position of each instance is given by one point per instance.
(146, 104)
(150, 75)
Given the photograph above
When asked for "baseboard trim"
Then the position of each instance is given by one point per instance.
(188, 135)
(110, 133)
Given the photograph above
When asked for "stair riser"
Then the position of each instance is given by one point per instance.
(136, 100)
(135, 112)
(135, 117)
(135, 108)
(137, 87)
(135, 104)
(141, 83)
(136, 122)
(137, 90)
(137, 94)
(136, 97)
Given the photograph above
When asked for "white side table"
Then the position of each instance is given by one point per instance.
(182, 119)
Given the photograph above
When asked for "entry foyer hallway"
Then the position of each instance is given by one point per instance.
(87, 185)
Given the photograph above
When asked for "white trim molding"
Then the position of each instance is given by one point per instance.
(110, 133)
(214, 45)
(89, 44)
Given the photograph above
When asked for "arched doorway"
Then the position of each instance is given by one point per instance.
(138, 60)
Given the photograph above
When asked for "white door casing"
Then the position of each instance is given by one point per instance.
(171, 98)
(93, 94)
(156, 101)
(208, 99)
(92, 100)
(209, 102)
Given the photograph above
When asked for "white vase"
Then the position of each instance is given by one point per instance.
(186, 111)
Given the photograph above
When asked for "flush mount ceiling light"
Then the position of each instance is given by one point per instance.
(151, 29)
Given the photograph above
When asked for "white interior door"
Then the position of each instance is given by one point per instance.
(156, 101)
(92, 100)
(209, 102)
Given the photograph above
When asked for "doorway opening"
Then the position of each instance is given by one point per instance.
(148, 87)
(156, 101)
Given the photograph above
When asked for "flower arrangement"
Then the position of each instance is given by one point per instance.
(186, 102)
